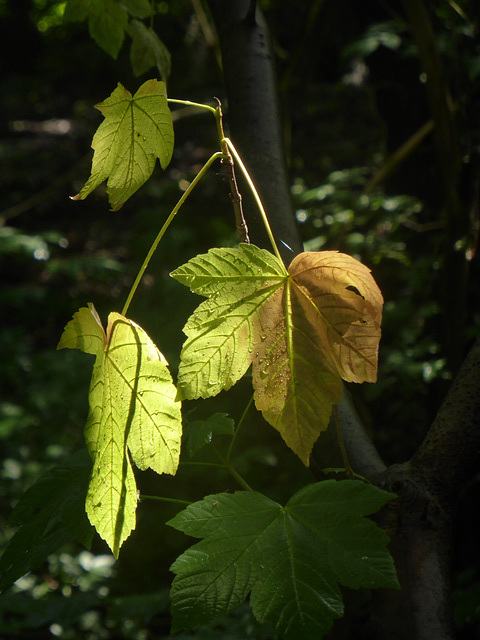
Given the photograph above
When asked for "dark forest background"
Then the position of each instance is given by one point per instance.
(352, 92)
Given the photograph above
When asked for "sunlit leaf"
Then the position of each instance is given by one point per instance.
(136, 131)
(315, 331)
(303, 331)
(290, 559)
(133, 412)
(148, 51)
(220, 343)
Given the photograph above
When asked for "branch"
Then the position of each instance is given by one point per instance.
(450, 454)
(254, 115)
(255, 123)
(419, 520)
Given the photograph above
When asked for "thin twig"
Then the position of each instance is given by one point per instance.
(235, 198)
(229, 175)
(257, 199)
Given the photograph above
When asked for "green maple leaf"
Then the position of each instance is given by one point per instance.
(136, 131)
(132, 410)
(107, 19)
(148, 51)
(50, 514)
(199, 433)
(302, 330)
(138, 8)
(289, 559)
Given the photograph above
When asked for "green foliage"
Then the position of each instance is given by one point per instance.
(199, 433)
(397, 234)
(148, 51)
(302, 331)
(341, 211)
(290, 559)
(132, 409)
(136, 131)
(107, 19)
(49, 514)
(18, 613)
(222, 333)
(384, 34)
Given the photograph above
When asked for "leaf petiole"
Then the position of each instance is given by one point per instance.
(240, 423)
(231, 470)
(165, 226)
(233, 151)
(162, 499)
(189, 103)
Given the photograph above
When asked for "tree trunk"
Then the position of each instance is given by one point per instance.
(254, 119)
(427, 486)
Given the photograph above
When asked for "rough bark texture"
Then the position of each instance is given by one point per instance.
(450, 454)
(419, 521)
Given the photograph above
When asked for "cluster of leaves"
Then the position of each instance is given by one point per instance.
(344, 211)
(109, 20)
(302, 330)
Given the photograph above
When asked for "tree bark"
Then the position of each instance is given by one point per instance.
(255, 122)
(254, 119)
(419, 520)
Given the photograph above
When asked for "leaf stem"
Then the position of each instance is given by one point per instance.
(240, 423)
(229, 174)
(233, 472)
(188, 103)
(162, 499)
(165, 226)
(254, 191)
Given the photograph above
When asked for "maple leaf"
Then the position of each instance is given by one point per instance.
(198, 433)
(50, 514)
(132, 409)
(107, 19)
(302, 330)
(251, 544)
(148, 51)
(136, 131)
